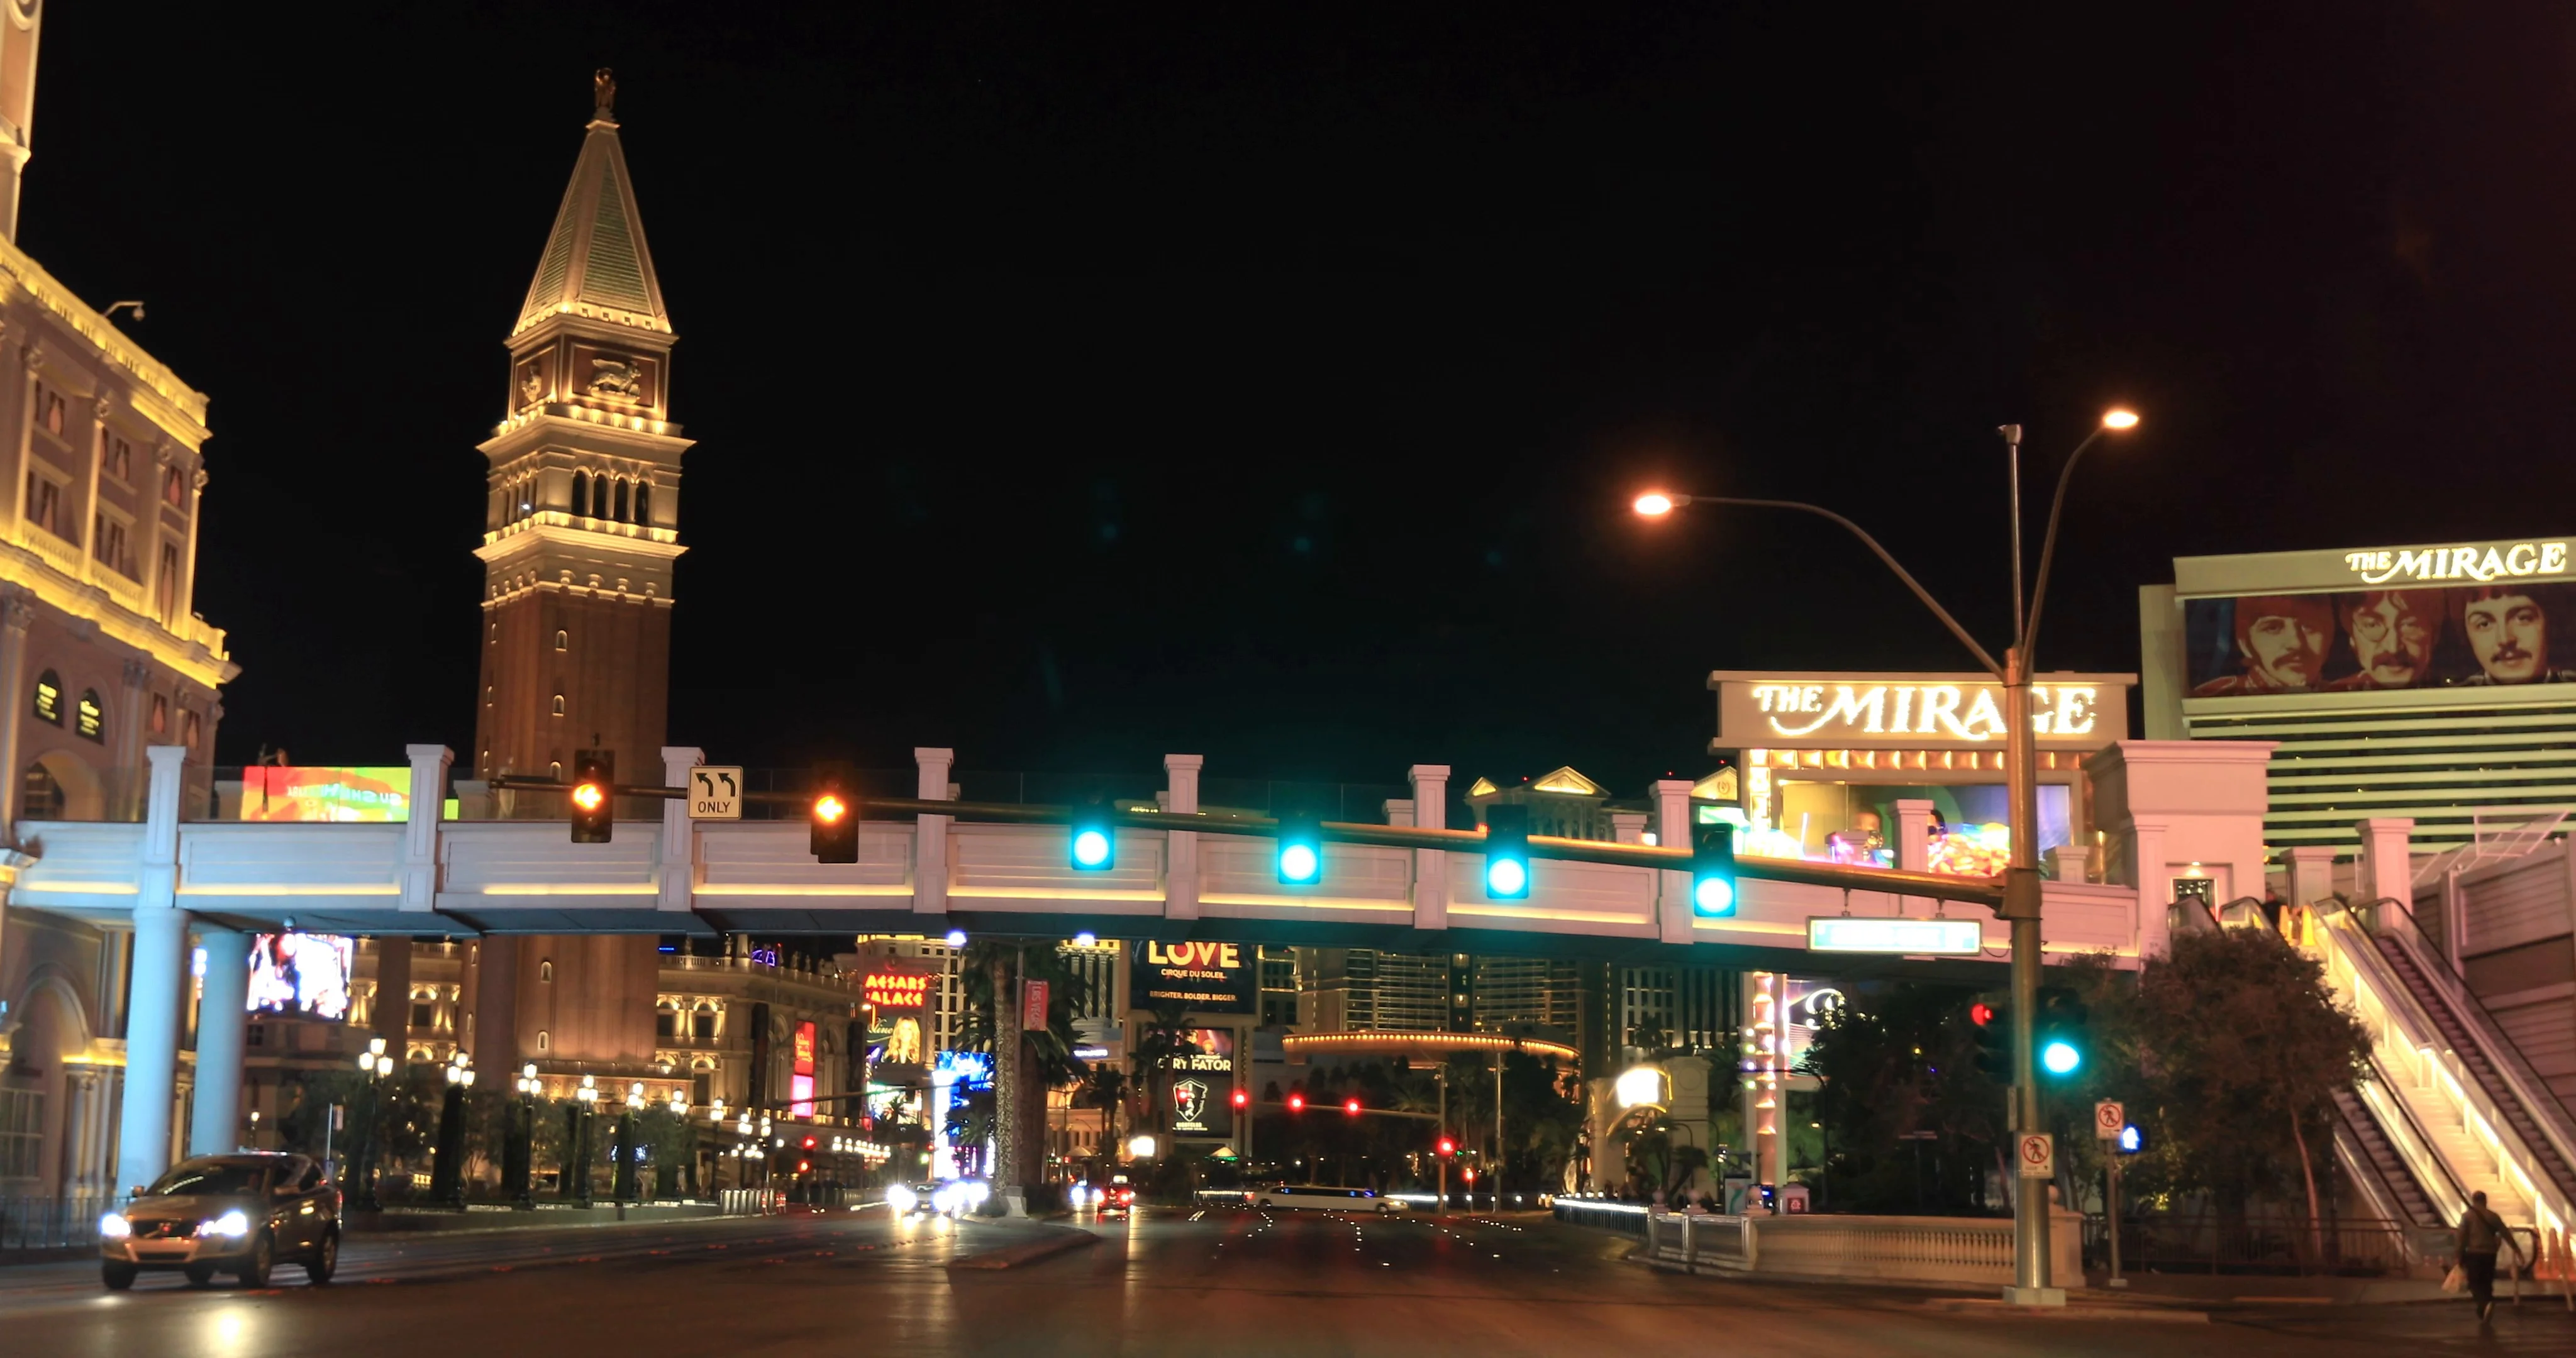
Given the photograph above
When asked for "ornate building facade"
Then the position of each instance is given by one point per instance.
(101, 655)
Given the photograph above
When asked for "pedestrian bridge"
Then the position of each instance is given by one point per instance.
(932, 873)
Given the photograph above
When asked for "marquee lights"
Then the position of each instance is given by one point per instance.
(1971, 712)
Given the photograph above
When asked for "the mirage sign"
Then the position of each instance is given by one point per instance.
(1911, 711)
(1205, 978)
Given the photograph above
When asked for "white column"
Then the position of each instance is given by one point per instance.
(159, 979)
(429, 766)
(2387, 873)
(1913, 832)
(1430, 866)
(223, 1019)
(930, 838)
(2311, 873)
(1181, 848)
(1628, 827)
(1673, 830)
(679, 875)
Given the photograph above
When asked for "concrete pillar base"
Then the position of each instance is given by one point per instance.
(2035, 1296)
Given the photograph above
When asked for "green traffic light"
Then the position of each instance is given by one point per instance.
(2060, 1058)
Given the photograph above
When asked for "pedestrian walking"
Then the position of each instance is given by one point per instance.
(2482, 1234)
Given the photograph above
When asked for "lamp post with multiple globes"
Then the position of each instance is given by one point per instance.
(518, 1159)
(447, 1168)
(377, 1067)
(2021, 881)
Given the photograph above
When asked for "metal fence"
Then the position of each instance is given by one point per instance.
(51, 1223)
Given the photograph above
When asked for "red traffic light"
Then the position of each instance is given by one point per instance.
(1448, 1147)
(1296, 1103)
(1352, 1107)
(1242, 1098)
(1981, 1013)
(804, 1166)
(809, 1143)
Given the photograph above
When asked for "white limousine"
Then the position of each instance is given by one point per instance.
(1313, 1198)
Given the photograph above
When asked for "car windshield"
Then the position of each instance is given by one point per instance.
(209, 1179)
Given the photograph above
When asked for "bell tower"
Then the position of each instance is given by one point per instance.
(581, 528)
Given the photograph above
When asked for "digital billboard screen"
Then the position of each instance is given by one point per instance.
(1204, 978)
(302, 974)
(300, 793)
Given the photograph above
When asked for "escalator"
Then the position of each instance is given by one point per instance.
(2451, 1108)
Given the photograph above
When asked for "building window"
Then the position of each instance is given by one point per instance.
(617, 504)
(49, 698)
(165, 587)
(644, 502)
(563, 641)
(554, 772)
(160, 714)
(107, 543)
(546, 970)
(44, 504)
(703, 1023)
(39, 796)
(49, 410)
(174, 488)
(90, 723)
(545, 1040)
(423, 1015)
(581, 493)
(666, 1024)
(22, 1133)
(193, 730)
(115, 456)
(559, 705)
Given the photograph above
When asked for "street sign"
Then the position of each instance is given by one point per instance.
(715, 792)
(1897, 937)
(2038, 1155)
(2108, 1118)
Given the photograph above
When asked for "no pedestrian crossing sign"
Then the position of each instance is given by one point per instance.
(715, 792)
(2108, 1118)
(2038, 1155)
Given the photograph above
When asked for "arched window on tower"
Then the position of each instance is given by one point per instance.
(49, 698)
(644, 503)
(581, 493)
(563, 641)
(619, 508)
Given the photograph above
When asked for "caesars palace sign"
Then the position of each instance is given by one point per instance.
(1912, 710)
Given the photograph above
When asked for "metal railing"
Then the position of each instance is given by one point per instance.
(57, 1223)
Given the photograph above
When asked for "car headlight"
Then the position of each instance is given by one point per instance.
(230, 1223)
(114, 1226)
(901, 1199)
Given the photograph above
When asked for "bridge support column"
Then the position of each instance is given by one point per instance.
(678, 877)
(223, 1020)
(1430, 866)
(1673, 827)
(1181, 847)
(930, 834)
(160, 978)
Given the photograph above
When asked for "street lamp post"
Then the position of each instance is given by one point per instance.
(577, 1173)
(377, 1066)
(447, 1172)
(622, 1182)
(2021, 885)
(518, 1158)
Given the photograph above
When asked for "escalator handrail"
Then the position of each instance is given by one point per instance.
(2505, 1059)
(2459, 1192)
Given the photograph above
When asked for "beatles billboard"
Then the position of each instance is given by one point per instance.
(2473, 615)
(1204, 978)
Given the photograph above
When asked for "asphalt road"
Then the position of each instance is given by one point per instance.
(1229, 1283)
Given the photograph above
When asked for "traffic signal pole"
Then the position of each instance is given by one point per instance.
(2031, 1282)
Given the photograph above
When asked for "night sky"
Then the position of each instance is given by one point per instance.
(1080, 383)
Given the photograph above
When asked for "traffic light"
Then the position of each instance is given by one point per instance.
(1994, 1040)
(1713, 869)
(1448, 1146)
(1242, 1098)
(1301, 849)
(1351, 1106)
(1296, 1103)
(1507, 861)
(809, 1143)
(1095, 840)
(594, 795)
(833, 819)
(2058, 1031)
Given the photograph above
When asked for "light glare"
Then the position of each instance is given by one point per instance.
(1714, 896)
(1654, 502)
(1506, 877)
(2119, 417)
(2060, 1057)
(1297, 863)
(1091, 848)
(829, 809)
(588, 796)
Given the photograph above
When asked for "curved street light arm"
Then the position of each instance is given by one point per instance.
(1872, 543)
(2048, 550)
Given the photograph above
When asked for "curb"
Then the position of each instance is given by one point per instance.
(1053, 1243)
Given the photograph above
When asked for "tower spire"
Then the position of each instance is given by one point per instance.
(595, 264)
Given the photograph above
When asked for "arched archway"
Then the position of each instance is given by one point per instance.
(50, 1034)
(59, 785)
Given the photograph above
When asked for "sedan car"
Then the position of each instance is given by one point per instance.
(238, 1214)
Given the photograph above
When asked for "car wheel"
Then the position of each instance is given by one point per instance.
(254, 1270)
(118, 1277)
(325, 1260)
(199, 1274)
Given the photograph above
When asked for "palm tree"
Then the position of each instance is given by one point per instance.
(1044, 1057)
(1106, 1090)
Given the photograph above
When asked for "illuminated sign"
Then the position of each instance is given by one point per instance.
(800, 1082)
(804, 1049)
(287, 792)
(303, 974)
(1911, 711)
(2502, 561)
(899, 989)
(2506, 632)
(1901, 937)
(767, 957)
(2511, 560)
(1209, 978)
